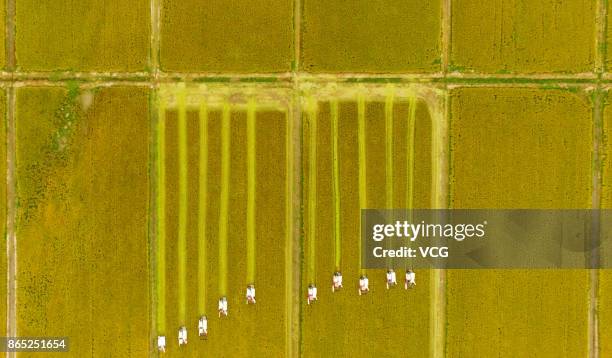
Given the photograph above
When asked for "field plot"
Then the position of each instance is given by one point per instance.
(519, 148)
(82, 185)
(231, 263)
(344, 323)
(195, 37)
(94, 35)
(3, 197)
(378, 36)
(2, 36)
(523, 36)
(605, 276)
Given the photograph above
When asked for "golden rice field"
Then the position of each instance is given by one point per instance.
(523, 36)
(82, 263)
(161, 154)
(605, 276)
(261, 326)
(343, 323)
(67, 225)
(537, 148)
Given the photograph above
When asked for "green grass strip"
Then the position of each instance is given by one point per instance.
(389, 147)
(224, 199)
(412, 103)
(161, 219)
(182, 213)
(411, 147)
(251, 188)
(312, 189)
(336, 184)
(288, 232)
(202, 207)
(389, 98)
(362, 166)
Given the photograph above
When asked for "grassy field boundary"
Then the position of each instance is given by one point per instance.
(594, 257)
(438, 104)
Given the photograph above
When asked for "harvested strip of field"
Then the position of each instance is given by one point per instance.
(363, 179)
(392, 315)
(251, 191)
(182, 207)
(336, 185)
(161, 220)
(312, 192)
(267, 316)
(224, 198)
(202, 207)
(389, 140)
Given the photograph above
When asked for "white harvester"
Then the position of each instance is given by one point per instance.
(203, 327)
(364, 285)
(410, 279)
(161, 343)
(336, 281)
(312, 293)
(223, 306)
(182, 335)
(250, 294)
(391, 278)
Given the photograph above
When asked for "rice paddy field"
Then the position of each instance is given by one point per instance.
(162, 154)
(375, 38)
(83, 258)
(605, 276)
(244, 37)
(538, 153)
(352, 322)
(523, 36)
(90, 35)
(227, 271)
